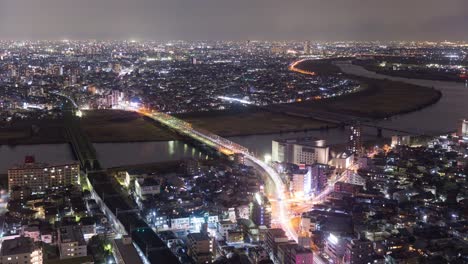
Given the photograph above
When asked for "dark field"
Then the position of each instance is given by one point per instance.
(122, 126)
(251, 122)
(25, 132)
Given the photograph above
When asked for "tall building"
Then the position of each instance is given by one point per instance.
(355, 140)
(261, 211)
(41, 176)
(200, 247)
(300, 151)
(319, 177)
(301, 182)
(335, 248)
(462, 130)
(274, 237)
(71, 242)
(307, 47)
(20, 250)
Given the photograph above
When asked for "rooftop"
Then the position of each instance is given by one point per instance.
(198, 236)
(71, 234)
(19, 245)
(38, 165)
(127, 250)
(305, 141)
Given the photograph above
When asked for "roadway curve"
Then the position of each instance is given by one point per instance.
(293, 68)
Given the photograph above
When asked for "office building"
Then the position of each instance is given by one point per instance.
(355, 139)
(261, 210)
(71, 242)
(41, 176)
(200, 247)
(300, 151)
(301, 182)
(319, 177)
(20, 250)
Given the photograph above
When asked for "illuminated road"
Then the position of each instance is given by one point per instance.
(293, 68)
(284, 213)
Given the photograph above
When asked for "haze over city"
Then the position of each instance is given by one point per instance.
(234, 20)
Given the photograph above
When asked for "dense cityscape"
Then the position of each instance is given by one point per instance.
(400, 201)
(246, 132)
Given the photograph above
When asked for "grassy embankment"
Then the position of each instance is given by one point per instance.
(378, 99)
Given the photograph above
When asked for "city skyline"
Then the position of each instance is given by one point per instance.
(229, 132)
(240, 20)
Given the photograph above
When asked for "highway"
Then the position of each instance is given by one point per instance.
(225, 146)
(293, 68)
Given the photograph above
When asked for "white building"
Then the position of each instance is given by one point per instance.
(20, 250)
(300, 151)
(147, 187)
(342, 160)
(225, 226)
(192, 223)
(301, 182)
(71, 242)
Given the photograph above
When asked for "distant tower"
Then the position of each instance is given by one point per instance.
(117, 68)
(307, 47)
(462, 130)
(355, 140)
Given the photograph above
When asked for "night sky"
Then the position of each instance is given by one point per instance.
(235, 19)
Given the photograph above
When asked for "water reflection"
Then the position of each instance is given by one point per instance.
(120, 154)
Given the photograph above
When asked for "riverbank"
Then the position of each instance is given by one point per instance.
(379, 98)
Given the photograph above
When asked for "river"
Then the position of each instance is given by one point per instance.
(439, 118)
